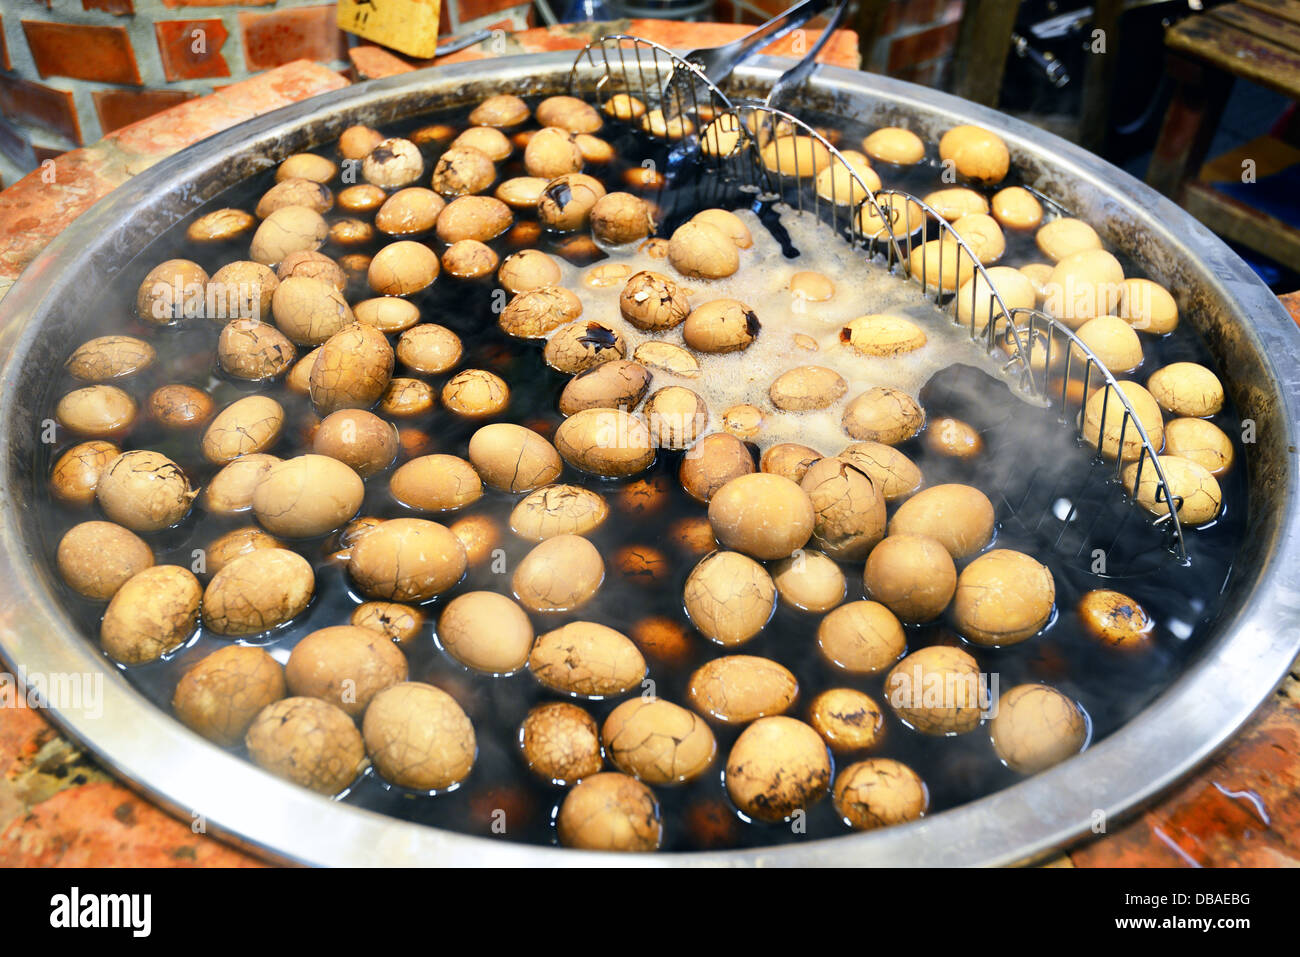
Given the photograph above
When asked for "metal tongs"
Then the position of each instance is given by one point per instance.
(717, 63)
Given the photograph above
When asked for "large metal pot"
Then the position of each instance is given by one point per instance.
(1256, 345)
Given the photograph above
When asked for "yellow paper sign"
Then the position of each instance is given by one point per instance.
(408, 26)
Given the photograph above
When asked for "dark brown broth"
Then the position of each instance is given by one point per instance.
(1111, 686)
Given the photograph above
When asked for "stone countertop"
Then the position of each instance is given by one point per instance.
(58, 808)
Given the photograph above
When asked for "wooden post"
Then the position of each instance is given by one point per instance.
(1190, 122)
(1099, 75)
(982, 47)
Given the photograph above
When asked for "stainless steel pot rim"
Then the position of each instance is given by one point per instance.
(230, 797)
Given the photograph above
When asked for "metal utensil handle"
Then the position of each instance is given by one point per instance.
(794, 76)
(761, 36)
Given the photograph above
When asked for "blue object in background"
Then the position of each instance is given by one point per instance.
(582, 11)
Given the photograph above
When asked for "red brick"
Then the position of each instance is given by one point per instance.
(467, 10)
(304, 33)
(119, 8)
(39, 105)
(82, 52)
(921, 46)
(176, 43)
(119, 108)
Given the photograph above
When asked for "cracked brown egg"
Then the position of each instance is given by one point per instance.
(407, 560)
(788, 459)
(144, 491)
(568, 200)
(893, 144)
(616, 384)
(610, 812)
(777, 767)
(357, 141)
(618, 218)
(230, 491)
(894, 475)
(1201, 442)
(461, 171)
(528, 269)
(712, 462)
(396, 622)
(911, 575)
(429, 348)
(352, 370)
(651, 300)
(1107, 425)
(295, 192)
(75, 476)
(1116, 620)
(552, 152)
(885, 415)
(953, 438)
(403, 268)
(101, 411)
(1186, 389)
(580, 346)
(561, 573)
(535, 312)
(436, 483)
(406, 398)
(110, 357)
(344, 665)
(1037, 726)
(882, 336)
(361, 440)
(1003, 597)
(861, 637)
(558, 510)
(1148, 306)
(587, 659)
(247, 425)
(676, 416)
(1113, 342)
(309, 742)
(393, 163)
(848, 513)
(469, 259)
(220, 226)
(180, 406)
(722, 325)
(514, 458)
(809, 581)
(223, 550)
(737, 689)
(242, 289)
(288, 230)
(657, 741)
(257, 592)
(500, 110)
(702, 251)
(764, 516)
(175, 290)
(1196, 493)
(879, 792)
(938, 690)
(251, 350)
(1064, 237)
(608, 442)
(975, 153)
(729, 597)
(959, 516)
(1017, 208)
(807, 387)
(221, 695)
(306, 496)
(475, 393)
(561, 743)
(151, 613)
(847, 719)
(97, 558)
(487, 632)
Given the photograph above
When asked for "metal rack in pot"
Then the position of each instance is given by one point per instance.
(1045, 357)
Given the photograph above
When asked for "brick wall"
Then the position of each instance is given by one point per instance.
(73, 70)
